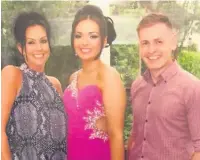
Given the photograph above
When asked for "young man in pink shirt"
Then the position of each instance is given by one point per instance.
(165, 99)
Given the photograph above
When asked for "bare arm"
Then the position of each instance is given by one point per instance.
(114, 98)
(10, 83)
(130, 141)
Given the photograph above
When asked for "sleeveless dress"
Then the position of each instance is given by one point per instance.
(36, 128)
(84, 107)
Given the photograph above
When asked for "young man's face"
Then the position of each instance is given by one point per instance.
(156, 43)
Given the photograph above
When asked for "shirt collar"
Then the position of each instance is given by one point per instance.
(166, 75)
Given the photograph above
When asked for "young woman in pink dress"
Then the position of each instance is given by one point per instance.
(95, 99)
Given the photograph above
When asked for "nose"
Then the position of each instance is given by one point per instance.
(38, 46)
(85, 41)
(152, 48)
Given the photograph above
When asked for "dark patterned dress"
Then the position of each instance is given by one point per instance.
(36, 128)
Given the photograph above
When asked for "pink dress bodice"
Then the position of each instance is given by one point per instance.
(84, 107)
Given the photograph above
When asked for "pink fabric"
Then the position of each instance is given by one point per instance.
(83, 107)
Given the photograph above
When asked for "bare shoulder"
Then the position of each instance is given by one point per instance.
(54, 80)
(11, 73)
(56, 83)
(110, 73)
(72, 76)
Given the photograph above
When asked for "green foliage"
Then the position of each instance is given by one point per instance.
(193, 47)
(190, 61)
(10, 56)
(125, 59)
(128, 117)
(61, 64)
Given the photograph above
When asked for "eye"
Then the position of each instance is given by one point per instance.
(77, 36)
(159, 42)
(144, 43)
(31, 42)
(44, 41)
(94, 36)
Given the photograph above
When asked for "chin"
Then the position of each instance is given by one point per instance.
(41, 63)
(84, 58)
(154, 66)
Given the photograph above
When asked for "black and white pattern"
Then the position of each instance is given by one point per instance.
(36, 128)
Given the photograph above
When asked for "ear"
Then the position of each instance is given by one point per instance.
(19, 47)
(105, 42)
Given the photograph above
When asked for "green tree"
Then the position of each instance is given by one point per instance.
(125, 59)
(190, 61)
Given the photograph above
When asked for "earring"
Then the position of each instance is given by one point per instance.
(76, 54)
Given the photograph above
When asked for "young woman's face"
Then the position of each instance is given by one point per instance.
(87, 40)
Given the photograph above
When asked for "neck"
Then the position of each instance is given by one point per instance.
(90, 66)
(36, 68)
(155, 73)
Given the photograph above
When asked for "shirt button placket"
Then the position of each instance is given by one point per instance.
(146, 120)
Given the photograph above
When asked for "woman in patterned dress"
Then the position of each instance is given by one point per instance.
(33, 117)
(95, 98)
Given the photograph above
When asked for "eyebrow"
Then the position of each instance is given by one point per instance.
(159, 38)
(89, 32)
(145, 40)
(35, 39)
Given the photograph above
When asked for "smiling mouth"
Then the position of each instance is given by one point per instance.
(153, 57)
(38, 55)
(85, 50)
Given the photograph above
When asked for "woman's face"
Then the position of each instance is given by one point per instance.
(87, 40)
(37, 50)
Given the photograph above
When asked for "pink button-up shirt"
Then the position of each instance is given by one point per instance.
(166, 116)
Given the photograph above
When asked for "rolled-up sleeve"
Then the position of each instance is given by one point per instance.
(193, 115)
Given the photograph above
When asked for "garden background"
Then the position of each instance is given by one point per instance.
(124, 56)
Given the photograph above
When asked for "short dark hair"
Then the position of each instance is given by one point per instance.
(106, 24)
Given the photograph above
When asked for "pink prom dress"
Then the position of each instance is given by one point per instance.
(84, 107)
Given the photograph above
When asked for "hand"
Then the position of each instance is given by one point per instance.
(196, 156)
(130, 144)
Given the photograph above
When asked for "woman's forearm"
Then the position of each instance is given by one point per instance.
(117, 147)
